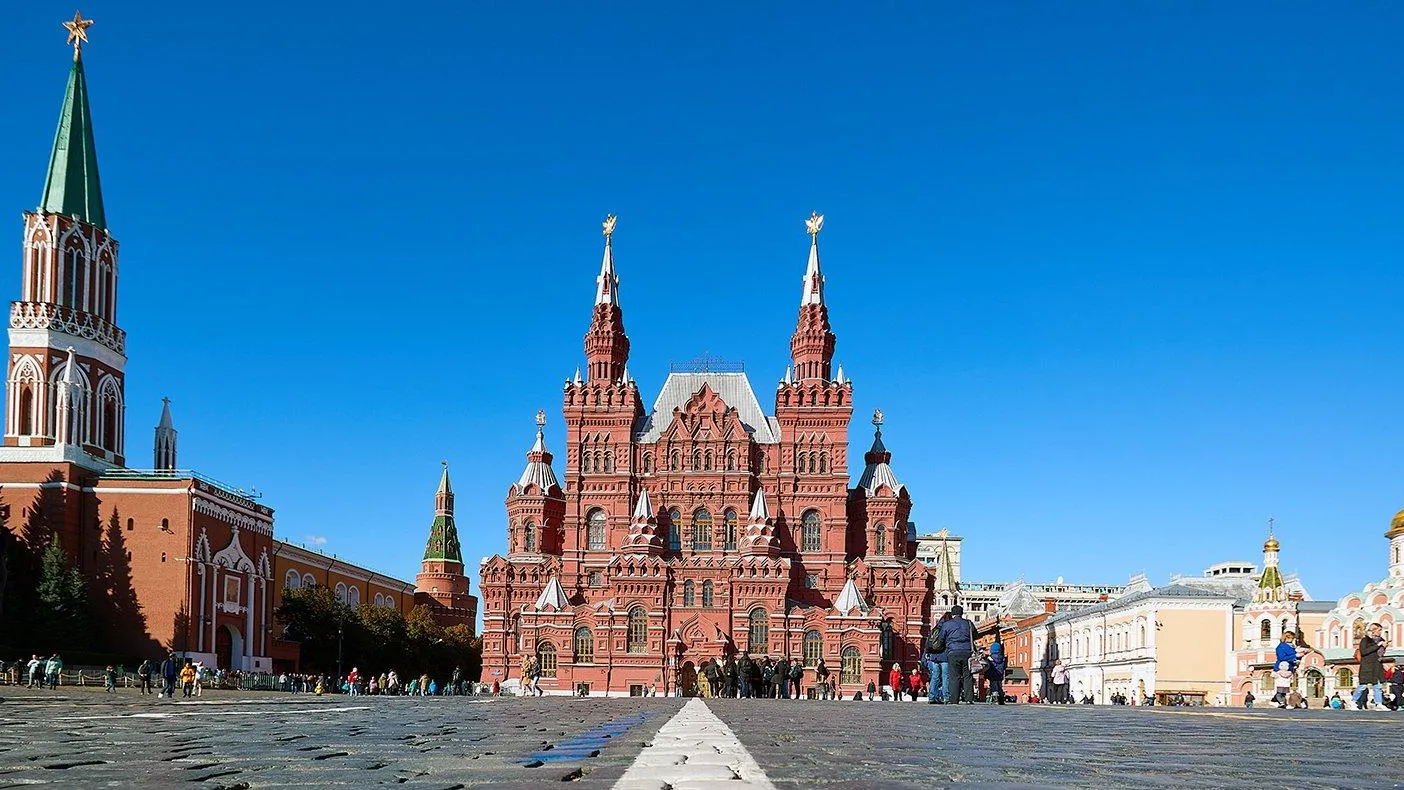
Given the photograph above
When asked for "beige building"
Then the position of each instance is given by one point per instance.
(1153, 642)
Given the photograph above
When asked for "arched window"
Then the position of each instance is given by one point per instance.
(813, 647)
(609, 462)
(109, 423)
(340, 593)
(689, 593)
(648, 463)
(758, 636)
(517, 630)
(595, 531)
(675, 530)
(308, 581)
(1357, 631)
(353, 596)
(850, 666)
(26, 411)
(584, 646)
(809, 531)
(1345, 678)
(1265, 631)
(290, 582)
(729, 530)
(529, 540)
(109, 311)
(731, 460)
(675, 462)
(73, 277)
(823, 463)
(881, 538)
(707, 592)
(379, 599)
(702, 530)
(1287, 626)
(707, 461)
(546, 659)
(696, 460)
(638, 631)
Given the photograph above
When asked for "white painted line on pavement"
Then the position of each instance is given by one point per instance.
(693, 748)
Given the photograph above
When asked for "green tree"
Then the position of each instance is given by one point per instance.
(63, 604)
(312, 616)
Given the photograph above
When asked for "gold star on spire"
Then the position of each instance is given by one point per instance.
(78, 32)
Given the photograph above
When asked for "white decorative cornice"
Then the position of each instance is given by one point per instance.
(233, 556)
(233, 516)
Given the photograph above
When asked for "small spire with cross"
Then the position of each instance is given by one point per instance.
(78, 32)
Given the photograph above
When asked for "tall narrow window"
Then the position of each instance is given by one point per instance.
(707, 461)
(758, 636)
(109, 309)
(546, 659)
(707, 592)
(638, 631)
(530, 538)
(675, 530)
(702, 530)
(73, 277)
(689, 593)
(648, 463)
(595, 531)
(109, 424)
(675, 461)
(881, 539)
(26, 411)
(584, 646)
(813, 647)
(851, 666)
(1265, 632)
(729, 530)
(696, 460)
(809, 531)
(731, 460)
(823, 463)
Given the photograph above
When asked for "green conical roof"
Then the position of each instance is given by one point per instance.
(443, 541)
(73, 188)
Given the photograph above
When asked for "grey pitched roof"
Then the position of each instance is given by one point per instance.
(1168, 591)
(733, 388)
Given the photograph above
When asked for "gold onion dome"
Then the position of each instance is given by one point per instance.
(1271, 544)
(1396, 527)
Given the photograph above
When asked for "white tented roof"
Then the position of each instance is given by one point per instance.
(553, 595)
(850, 599)
(733, 388)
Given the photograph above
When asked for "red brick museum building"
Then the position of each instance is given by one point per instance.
(702, 526)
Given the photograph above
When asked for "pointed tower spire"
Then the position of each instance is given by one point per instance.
(812, 345)
(878, 470)
(538, 470)
(165, 456)
(443, 544)
(759, 512)
(72, 187)
(606, 345)
(643, 510)
(1271, 585)
(69, 405)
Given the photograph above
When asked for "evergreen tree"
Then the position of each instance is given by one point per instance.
(62, 606)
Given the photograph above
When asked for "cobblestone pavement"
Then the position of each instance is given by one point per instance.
(882, 745)
(81, 738)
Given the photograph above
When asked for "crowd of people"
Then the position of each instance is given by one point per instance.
(1377, 687)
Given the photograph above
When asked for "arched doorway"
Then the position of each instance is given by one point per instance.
(688, 679)
(1315, 684)
(229, 646)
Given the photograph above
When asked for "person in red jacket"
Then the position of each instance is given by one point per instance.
(914, 682)
(894, 678)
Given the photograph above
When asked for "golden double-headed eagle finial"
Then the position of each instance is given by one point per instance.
(814, 224)
(609, 225)
(78, 31)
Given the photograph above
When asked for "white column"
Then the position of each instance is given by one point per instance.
(214, 606)
(263, 611)
(249, 624)
(200, 568)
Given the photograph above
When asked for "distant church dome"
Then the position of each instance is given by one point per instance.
(1396, 527)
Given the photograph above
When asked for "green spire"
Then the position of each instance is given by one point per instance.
(72, 187)
(443, 535)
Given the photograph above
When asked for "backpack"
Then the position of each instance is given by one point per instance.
(936, 643)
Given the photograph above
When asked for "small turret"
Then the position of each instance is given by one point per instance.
(165, 455)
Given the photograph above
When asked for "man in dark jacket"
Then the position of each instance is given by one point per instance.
(169, 669)
(782, 679)
(959, 634)
(796, 675)
(729, 677)
(998, 665)
(744, 668)
(144, 672)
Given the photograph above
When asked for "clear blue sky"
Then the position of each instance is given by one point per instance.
(1124, 276)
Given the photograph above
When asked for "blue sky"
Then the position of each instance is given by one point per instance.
(1123, 276)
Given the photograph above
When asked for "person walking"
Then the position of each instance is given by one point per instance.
(200, 672)
(109, 679)
(894, 679)
(52, 668)
(959, 635)
(353, 682)
(872, 689)
(144, 675)
(1249, 699)
(796, 676)
(1282, 683)
(169, 670)
(35, 669)
(934, 653)
(1369, 654)
(782, 678)
(743, 674)
(821, 674)
(914, 682)
(1059, 679)
(187, 680)
(994, 672)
